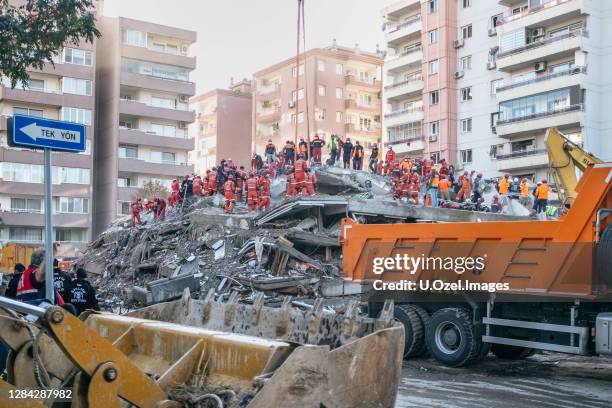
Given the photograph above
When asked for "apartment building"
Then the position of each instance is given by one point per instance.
(339, 93)
(143, 92)
(65, 91)
(223, 126)
(513, 68)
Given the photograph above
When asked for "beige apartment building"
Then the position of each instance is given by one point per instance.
(223, 126)
(64, 92)
(143, 92)
(339, 93)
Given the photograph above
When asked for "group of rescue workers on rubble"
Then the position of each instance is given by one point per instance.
(417, 181)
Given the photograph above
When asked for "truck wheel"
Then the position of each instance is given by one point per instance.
(604, 260)
(424, 316)
(413, 328)
(451, 337)
(511, 352)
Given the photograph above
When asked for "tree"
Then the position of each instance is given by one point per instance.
(153, 188)
(33, 33)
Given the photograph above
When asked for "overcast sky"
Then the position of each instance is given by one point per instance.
(239, 37)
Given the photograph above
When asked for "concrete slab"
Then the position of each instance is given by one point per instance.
(206, 217)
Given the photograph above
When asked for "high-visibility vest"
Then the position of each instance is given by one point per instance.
(504, 184)
(444, 185)
(435, 182)
(524, 190)
(543, 191)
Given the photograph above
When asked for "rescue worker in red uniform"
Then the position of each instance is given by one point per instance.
(317, 147)
(466, 187)
(291, 183)
(405, 189)
(240, 178)
(264, 191)
(136, 209)
(390, 156)
(206, 183)
(31, 286)
(228, 189)
(414, 189)
(300, 171)
(212, 181)
(197, 186)
(310, 183)
(175, 186)
(251, 187)
(161, 209)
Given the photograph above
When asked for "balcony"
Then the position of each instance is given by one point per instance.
(575, 76)
(413, 114)
(67, 70)
(400, 8)
(412, 86)
(551, 13)
(158, 57)
(269, 115)
(136, 108)
(372, 86)
(148, 138)
(127, 193)
(269, 93)
(352, 104)
(395, 35)
(146, 81)
(38, 219)
(17, 155)
(48, 97)
(408, 145)
(207, 114)
(36, 189)
(522, 160)
(401, 62)
(548, 49)
(373, 131)
(562, 118)
(161, 169)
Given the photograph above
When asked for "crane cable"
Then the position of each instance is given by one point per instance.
(301, 34)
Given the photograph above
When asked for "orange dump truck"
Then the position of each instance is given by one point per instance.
(462, 289)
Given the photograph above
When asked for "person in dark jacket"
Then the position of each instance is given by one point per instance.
(374, 159)
(11, 290)
(61, 280)
(347, 153)
(83, 295)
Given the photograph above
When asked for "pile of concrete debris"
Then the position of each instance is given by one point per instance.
(291, 249)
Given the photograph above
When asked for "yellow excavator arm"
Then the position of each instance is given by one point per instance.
(564, 158)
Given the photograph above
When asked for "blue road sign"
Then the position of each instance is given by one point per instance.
(33, 132)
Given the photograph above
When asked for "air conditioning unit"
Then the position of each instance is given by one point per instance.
(492, 31)
(459, 43)
(538, 32)
(183, 99)
(182, 125)
(291, 104)
(433, 138)
(184, 49)
(459, 74)
(491, 65)
(540, 66)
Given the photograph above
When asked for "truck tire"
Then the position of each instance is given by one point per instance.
(506, 352)
(604, 259)
(451, 338)
(413, 328)
(424, 316)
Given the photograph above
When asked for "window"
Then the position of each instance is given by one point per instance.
(133, 37)
(408, 131)
(466, 31)
(70, 175)
(168, 157)
(69, 235)
(465, 156)
(339, 69)
(77, 57)
(522, 146)
(26, 205)
(467, 3)
(321, 65)
(163, 130)
(322, 90)
(433, 37)
(25, 234)
(320, 114)
(301, 117)
(493, 55)
(365, 100)
(526, 107)
(434, 128)
(294, 70)
(465, 63)
(159, 102)
(300, 94)
(466, 125)
(28, 112)
(496, 83)
(128, 152)
(433, 6)
(434, 97)
(155, 70)
(512, 40)
(124, 182)
(76, 115)
(339, 93)
(436, 157)
(126, 124)
(466, 94)
(36, 85)
(73, 205)
(496, 19)
(123, 208)
(339, 117)
(496, 150)
(21, 173)
(76, 86)
(433, 67)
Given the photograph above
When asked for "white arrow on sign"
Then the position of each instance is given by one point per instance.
(39, 132)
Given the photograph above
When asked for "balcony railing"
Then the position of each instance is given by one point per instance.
(532, 10)
(541, 43)
(178, 135)
(179, 107)
(413, 109)
(521, 153)
(412, 20)
(565, 109)
(571, 71)
(408, 52)
(405, 139)
(413, 78)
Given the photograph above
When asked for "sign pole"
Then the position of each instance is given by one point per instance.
(49, 287)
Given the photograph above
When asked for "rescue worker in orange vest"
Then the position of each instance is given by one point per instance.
(504, 184)
(317, 147)
(465, 191)
(379, 167)
(264, 190)
(390, 156)
(291, 183)
(197, 186)
(414, 189)
(542, 193)
(358, 156)
(524, 193)
(432, 188)
(229, 188)
(212, 177)
(444, 188)
(251, 187)
(310, 183)
(300, 171)
(240, 178)
(405, 165)
(207, 183)
(136, 209)
(303, 148)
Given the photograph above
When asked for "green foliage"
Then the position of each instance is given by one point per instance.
(153, 188)
(31, 34)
